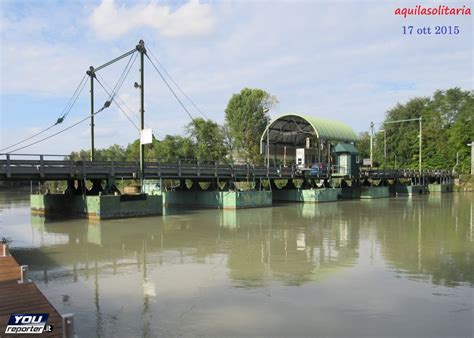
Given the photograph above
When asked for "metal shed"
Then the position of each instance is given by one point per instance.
(303, 139)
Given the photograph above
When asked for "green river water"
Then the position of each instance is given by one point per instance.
(399, 267)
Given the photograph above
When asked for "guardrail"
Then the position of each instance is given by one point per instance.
(404, 173)
(61, 167)
(22, 166)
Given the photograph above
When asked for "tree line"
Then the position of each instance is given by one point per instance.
(447, 128)
(447, 123)
(238, 139)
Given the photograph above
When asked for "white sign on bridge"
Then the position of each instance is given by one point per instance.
(367, 162)
(146, 136)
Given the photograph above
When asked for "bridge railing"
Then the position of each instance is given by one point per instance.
(404, 173)
(33, 166)
(63, 167)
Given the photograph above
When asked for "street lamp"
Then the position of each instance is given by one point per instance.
(384, 147)
(472, 156)
(420, 141)
(265, 110)
(371, 144)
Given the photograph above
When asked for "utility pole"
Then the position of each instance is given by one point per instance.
(471, 144)
(91, 73)
(371, 144)
(384, 147)
(420, 136)
(420, 145)
(141, 49)
(268, 148)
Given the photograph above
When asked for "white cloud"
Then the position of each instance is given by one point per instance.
(341, 60)
(109, 20)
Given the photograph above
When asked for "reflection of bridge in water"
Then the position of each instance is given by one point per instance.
(256, 244)
(294, 244)
(215, 251)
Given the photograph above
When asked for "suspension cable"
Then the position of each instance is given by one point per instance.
(130, 110)
(181, 90)
(118, 105)
(171, 89)
(72, 101)
(124, 74)
(107, 104)
(65, 112)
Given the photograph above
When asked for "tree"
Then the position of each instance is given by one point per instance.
(172, 148)
(447, 120)
(229, 143)
(247, 117)
(363, 145)
(208, 139)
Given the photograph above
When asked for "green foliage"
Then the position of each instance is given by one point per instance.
(209, 140)
(172, 148)
(247, 117)
(115, 152)
(447, 126)
(363, 145)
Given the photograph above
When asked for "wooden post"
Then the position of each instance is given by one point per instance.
(9, 172)
(23, 274)
(5, 251)
(68, 325)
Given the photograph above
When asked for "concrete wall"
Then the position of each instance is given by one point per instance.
(206, 199)
(307, 195)
(351, 192)
(106, 207)
(102, 207)
(61, 205)
(218, 199)
(373, 192)
(245, 199)
(410, 189)
(440, 187)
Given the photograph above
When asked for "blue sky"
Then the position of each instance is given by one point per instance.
(346, 60)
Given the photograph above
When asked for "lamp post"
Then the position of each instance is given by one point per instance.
(384, 147)
(472, 156)
(268, 147)
(265, 110)
(371, 144)
(420, 137)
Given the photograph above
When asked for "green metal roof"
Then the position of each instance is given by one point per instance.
(296, 127)
(346, 148)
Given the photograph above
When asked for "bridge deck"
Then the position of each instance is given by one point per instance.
(23, 298)
(41, 168)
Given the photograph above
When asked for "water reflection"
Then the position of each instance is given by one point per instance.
(272, 244)
(431, 240)
(166, 272)
(293, 244)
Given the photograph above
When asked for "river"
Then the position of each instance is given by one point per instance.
(389, 267)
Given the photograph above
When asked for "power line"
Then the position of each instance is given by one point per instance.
(181, 90)
(65, 112)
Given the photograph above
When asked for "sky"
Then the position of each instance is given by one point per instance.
(344, 60)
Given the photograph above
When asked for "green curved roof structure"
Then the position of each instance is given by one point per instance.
(294, 128)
